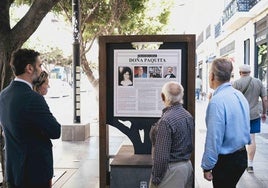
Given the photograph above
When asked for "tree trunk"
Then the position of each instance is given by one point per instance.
(86, 68)
(5, 69)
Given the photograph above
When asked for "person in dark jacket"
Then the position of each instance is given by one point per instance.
(28, 125)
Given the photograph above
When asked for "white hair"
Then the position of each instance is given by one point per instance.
(173, 92)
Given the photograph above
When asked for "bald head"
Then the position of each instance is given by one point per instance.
(172, 92)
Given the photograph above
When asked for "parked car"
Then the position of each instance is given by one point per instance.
(58, 88)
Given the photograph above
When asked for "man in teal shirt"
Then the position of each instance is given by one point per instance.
(228, 130)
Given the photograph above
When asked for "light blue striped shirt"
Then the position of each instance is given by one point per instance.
(228, 124)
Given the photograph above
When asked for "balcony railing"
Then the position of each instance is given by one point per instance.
(253, 3)
(237, 6)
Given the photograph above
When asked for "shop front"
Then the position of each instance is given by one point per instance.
(261, 56)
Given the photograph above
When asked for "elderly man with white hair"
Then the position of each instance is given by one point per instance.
(253, 89)
(172, 140)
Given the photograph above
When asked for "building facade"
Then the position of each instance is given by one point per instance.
(241, 34)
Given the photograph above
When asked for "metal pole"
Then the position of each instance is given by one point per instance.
(76, 59)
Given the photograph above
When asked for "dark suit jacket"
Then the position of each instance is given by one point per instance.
(28, 127)
(171, 75)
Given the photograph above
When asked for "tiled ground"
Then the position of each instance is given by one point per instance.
(77, 163)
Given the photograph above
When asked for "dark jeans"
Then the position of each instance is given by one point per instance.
(229, 169)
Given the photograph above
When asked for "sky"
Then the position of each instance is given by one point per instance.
(193, 16)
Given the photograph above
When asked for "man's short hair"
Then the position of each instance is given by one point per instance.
(222, 69)
(173, 92)
(21, 58)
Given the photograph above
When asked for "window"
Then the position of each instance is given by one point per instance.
(246, 51)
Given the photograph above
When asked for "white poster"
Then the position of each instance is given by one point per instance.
(139, 76)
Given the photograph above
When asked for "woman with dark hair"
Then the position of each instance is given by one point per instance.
(126, 77)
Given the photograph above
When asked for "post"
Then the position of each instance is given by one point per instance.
(76, 59)
(76, 131)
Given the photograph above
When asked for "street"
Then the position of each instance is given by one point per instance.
(62, 107)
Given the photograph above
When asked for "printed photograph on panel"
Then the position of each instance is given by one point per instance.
(125, 76)
(140, 71)
(170, 72)
(155, 72)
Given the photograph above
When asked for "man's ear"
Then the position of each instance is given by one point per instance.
(212, 76)
(29, 68)
(163, 97)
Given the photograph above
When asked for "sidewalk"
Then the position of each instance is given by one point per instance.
(76, 163)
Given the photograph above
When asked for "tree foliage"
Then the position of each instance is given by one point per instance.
(115, 17)
(13, 38)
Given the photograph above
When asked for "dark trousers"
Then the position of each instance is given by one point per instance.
(28, 185)
(229, 169)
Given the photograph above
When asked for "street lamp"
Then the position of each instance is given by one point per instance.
(76, 59)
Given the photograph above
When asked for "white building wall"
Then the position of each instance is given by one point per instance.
(241, 34)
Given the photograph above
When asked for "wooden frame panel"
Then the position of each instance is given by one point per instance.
(104, 41)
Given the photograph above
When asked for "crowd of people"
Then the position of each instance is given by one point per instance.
(231, 124)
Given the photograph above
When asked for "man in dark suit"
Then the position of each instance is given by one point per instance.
(170, 73)
(28, 126)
